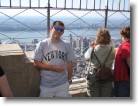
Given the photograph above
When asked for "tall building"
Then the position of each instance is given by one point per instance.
(74, 44)
(78, 43)
(85, 45)
(70, 40)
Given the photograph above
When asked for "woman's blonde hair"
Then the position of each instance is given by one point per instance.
(103, 36)
(125, 32)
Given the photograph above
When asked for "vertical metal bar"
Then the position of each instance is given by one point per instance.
(72, 4)
(118, 4)
(86, 3)
(38, 3)
(65, 4)
(124, 5)
(106, 14)
(56, 3)
(94, 4)
(30, 3)
(48, 19)
(10, 3)
(20, 3)
(100, 5)
(106, 1)
(0, 3)
(80, 4)
(112, 4)
(128, 4)
(108, 4)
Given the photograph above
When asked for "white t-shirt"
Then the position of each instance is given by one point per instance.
(53, 54)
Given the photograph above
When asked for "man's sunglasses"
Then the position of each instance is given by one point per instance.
(57, 29)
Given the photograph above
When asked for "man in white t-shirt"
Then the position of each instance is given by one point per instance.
(54, 58)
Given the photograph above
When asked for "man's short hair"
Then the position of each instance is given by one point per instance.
(59, 23)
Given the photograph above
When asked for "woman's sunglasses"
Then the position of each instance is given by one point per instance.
(57, 29)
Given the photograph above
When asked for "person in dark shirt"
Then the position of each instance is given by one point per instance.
(5, 90)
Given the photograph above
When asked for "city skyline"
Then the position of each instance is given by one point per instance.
(17, 31)
(88, 22)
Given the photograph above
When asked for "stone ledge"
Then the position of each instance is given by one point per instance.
(78, 88)
(10, 49)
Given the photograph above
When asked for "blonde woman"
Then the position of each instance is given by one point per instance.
(101, 48)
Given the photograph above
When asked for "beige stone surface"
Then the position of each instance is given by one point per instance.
(78, 88)
(28, 56)
(10, 49)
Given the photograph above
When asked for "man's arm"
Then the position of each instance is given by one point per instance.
(46, 67)
(69, 69)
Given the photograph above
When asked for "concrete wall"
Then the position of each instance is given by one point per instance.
(22, 76)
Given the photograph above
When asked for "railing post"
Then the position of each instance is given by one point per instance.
(80, 4)
(20, 3)
(10, 3)
(48, 19)
(72, 4)
(86, 3)
(30, 3)
(106, 14)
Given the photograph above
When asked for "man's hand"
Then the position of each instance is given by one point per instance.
(57, 68)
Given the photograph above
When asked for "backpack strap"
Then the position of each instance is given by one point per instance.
(107, 56)
(93, 52)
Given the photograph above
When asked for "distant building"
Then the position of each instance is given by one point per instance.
(85, 45)
(78, 43)
(35, 41)
(70, 39)
(74, 44)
